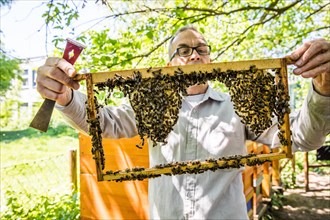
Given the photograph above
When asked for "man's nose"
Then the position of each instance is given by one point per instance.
(195, 56)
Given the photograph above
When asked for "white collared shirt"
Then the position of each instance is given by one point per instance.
(211, 129)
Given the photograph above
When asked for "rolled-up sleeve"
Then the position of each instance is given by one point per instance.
(115, 121)
(311, 124)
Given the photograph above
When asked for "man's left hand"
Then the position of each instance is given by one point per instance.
(312, 59)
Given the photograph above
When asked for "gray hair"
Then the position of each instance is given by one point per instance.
(180, 30)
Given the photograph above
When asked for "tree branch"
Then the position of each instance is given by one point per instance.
(210, 11)
(272, 5)
(242, 33)
(270, 10)
(240, 39)
(308, 32)
(316, 11)
(145, 54)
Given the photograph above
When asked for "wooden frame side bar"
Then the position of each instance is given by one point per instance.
(94, 130)
(286, 126)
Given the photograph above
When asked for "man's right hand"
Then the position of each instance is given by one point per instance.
(55, 80)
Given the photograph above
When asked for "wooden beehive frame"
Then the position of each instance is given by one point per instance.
(190, 166)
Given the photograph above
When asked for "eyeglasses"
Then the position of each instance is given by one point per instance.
(187, 51)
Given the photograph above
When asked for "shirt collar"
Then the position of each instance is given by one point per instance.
(211, 93)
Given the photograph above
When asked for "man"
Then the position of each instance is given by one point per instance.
(207, 127)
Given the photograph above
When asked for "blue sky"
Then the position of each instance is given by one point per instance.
(24, 32)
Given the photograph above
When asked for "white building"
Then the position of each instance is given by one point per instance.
(28, 96)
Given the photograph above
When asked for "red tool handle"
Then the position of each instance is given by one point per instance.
(42, 118)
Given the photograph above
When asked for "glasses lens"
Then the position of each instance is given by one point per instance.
(187, 51)
(203, 50)
(184, 51)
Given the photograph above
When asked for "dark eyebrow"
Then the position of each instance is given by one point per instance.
(201, 44)
(183, 45)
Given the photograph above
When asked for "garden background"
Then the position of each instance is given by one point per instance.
(35, 167)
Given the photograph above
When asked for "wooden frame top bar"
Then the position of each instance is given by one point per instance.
(99, 77)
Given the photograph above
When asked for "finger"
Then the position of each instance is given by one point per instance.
(314, 62)
(45, 71)
(299, 52)
(53, 85)
(52, 61)
(59, 76)
(315, 48)
(61, 63)
(324, 68)
(46, 93)
(66, 67)
(46, 83)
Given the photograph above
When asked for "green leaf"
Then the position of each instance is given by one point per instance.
(150, 34)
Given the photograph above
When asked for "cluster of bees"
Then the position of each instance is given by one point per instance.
(189, 167)
(157, 100)
(253, 95)
(282, 107)
(96, 132)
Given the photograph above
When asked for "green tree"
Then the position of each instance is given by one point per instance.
(9, 69)
(136, 33)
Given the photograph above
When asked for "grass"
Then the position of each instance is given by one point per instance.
(29, 144)
(35, 162)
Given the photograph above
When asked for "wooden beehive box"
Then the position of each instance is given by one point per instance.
(129, 199)
(112, 200)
